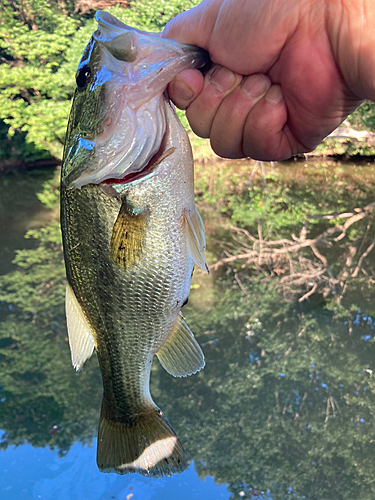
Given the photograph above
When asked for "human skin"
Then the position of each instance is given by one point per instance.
(285, 74)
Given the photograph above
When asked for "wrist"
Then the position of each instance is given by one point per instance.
(351, 28)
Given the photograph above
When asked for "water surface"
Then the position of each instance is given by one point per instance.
(285, 405)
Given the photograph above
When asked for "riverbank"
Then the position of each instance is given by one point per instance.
(346, 143)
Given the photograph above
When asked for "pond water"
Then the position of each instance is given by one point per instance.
(285, 405)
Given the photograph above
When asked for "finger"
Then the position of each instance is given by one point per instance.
(185, 87)
(195, 25)
(218, 83)
(266, 134)
(228, 125)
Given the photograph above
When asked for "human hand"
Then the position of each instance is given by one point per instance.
(285, 73)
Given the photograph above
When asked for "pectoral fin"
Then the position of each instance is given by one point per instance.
(128, 236)
(81, 340)
(196, 238)
(181, 354)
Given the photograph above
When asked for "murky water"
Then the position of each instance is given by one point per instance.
(285, 405)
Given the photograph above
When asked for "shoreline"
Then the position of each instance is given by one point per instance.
(18, 166)
(343, 145)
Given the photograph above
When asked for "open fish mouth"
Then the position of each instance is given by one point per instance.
(148, 170)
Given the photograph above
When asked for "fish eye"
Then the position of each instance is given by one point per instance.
(83, 76)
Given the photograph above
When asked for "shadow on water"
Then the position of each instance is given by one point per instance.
(20, 210)
(285, 405)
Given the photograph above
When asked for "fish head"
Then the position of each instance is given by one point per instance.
(117, 121)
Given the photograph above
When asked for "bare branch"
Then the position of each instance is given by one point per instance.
(298, 271)
(240, 283)
(311, 292)
(363, 256)
(349, 222)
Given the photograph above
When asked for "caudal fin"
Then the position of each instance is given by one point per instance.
(148, 445)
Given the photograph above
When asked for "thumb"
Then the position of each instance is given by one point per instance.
(194, 26)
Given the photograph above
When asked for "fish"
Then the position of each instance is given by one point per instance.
(131, 236)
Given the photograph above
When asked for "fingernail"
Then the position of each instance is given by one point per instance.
(182, 90)
(274, 95)
(256, 85)
(222, 79)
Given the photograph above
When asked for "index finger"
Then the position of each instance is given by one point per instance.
(185, 86)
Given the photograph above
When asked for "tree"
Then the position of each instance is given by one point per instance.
(41, 42)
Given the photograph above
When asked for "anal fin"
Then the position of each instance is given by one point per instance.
(81, 340)
(181, 354)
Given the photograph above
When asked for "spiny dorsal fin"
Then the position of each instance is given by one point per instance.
(196, 238)
(128, 236)
(181, 354)
(81, 341)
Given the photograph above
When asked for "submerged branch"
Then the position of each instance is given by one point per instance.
(299, 272)
(363, 256)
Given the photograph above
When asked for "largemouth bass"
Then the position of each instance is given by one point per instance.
(131, 235)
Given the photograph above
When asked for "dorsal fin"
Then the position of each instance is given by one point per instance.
(128, 236)
(196, 238)
(81, 340)
(181, 354)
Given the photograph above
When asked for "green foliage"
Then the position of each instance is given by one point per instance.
(35, 38)
(41, 42)
(50, 194)
(152, 15)
(43, 402)
(42, 285)
(278, 206)
(286, 400)
(285, 197)
(345, 147)
(363, 117)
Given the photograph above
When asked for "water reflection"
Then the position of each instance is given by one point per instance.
(38, 473)
(285, 406)
(20, 210)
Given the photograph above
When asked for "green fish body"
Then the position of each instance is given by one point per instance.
(131, 235)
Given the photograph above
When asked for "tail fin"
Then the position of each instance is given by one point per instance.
(148, 445)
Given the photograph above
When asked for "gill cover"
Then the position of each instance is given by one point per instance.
(117, 120)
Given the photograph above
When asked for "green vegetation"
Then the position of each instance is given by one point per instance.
(364, 117)
(41, 42)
